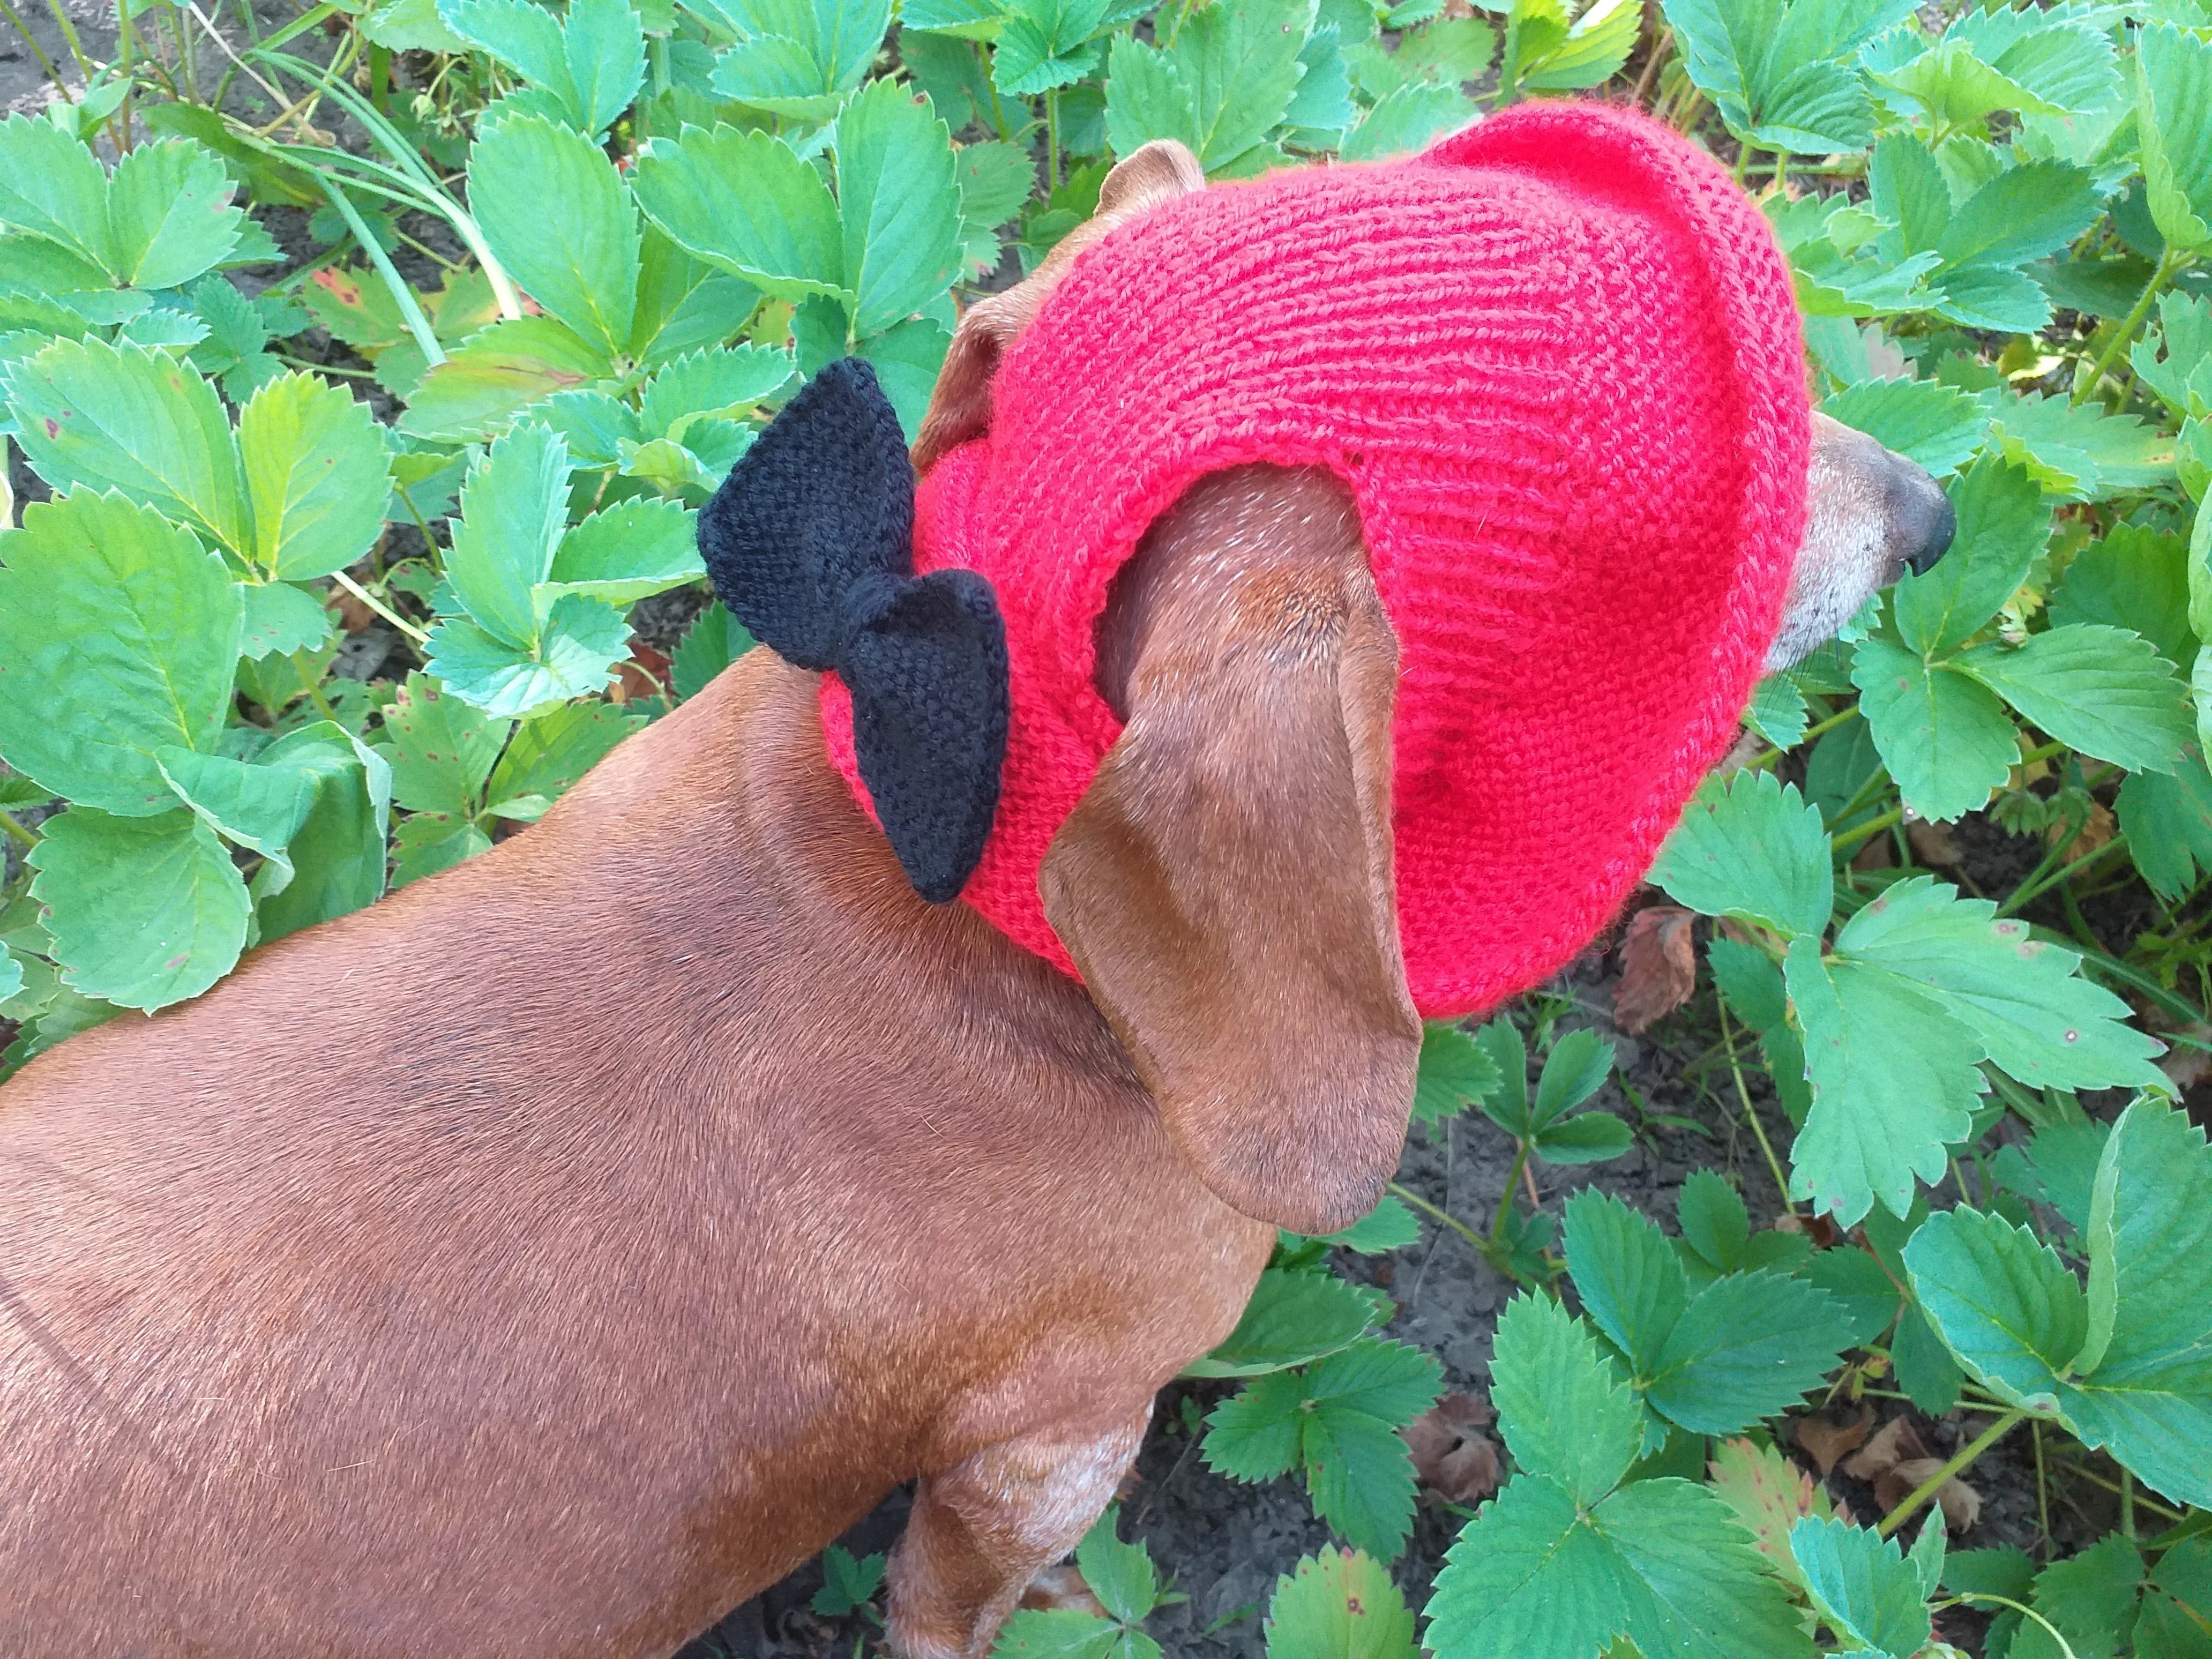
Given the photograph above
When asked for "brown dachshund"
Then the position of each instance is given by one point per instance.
(548, 1258)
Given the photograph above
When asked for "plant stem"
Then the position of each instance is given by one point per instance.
(68, 34)
(2033, 888)
(1505, 1197)
(314, 691)
(23, 29)
(378, 606)
(1735, 1070)
(1407, 1195)
(13, 827)
(1052, 140)
(1934, 1484)
(2042, 1494)
(1759, 762)
(2128, 1503)
(1871, 828)
(2168, 264)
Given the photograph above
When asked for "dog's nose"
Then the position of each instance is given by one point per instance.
(1920, 516)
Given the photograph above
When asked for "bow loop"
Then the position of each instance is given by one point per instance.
(810, 542)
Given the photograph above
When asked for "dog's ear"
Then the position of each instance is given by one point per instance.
(1226, 885)
(960, 407)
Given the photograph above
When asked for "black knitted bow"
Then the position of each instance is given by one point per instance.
(810, 542)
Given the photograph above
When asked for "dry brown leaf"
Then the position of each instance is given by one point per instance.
(1658, 967)
(1879, 853)
(1821, 1229)
(1748, 747)
(1825, 1442)
(1061, 1589)
(1450, 1456)
(644, 675)
(1934, 844)
(2095, 833)
(2187, 1066)
(1896, 1442)
(1960, 1504)
(353, 615)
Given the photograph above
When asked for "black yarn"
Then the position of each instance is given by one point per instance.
(810, 542)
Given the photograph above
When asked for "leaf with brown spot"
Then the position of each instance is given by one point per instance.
(1825, 1442)
(1770, 1495)
(2097, 831)
(1658, 967)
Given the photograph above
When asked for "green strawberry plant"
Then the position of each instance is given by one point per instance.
(323, 572)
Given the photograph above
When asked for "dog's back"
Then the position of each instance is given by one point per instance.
(591, 1180)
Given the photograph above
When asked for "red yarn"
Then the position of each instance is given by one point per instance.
(1557, 363)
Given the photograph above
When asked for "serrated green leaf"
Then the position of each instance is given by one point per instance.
(2005, 1302)
(1147, 97)
(561, 220)
(625, 552)
(746, 203)
(1339, 1605)
(594, 425)
(1773, 76)
(1045, 43)
(2133, 579)
(2169, 358)
(1119, 1575)
(2021, 998)
(500, 371)
(2002, 524)
(547, 755)
(1747, 1347)
(995, 180)
(1585, 1138)
(441, 749)
(126, 418)
(2173, 107)
(1361, 1478)
(1632, 1285)
(2149, 1401)
(967, 19)
(712, 644)
(577, 645)
(1893, 1082)
(799, 57)
(727, 381)
(1254, 1434)
(2090, 1599)
(169, 214)
(52, 186)
(1945, 739)
(2168, 823)
(1576, 1069)
(523, 36)
(1507, 1105)
(1863, 1587)
(1778, 711)
(1455, 1072)
(1291, 1318)
(2103, 691)
(1596, 44)
(1057, 1633)
(1751, 980)
(1938, 427)
(899, 204)
(280, 619)
(1769, 1494)
(316, 477)
(1406, 120)
(848, 1581)
(2080, 453)
(337, 854)
(429, 843)
(1662, 1562)
(119, 636)
(1925, 1370)
(143, 911)
(1560, 1409)
(1230, 77)
(1749, 845)
(1389, 1226)
(515, 513)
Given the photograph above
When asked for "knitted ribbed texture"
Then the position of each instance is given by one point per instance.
(1557, 363)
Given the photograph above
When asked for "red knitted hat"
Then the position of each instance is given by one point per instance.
(1557, 361)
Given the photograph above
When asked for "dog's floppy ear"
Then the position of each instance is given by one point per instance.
(810, 542)
(960, 407)
(1226, 885)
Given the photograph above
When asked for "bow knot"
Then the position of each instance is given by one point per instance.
(810, 542)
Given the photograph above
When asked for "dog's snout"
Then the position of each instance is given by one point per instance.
(1922, 519)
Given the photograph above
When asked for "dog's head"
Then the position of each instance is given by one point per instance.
(1226, 885)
